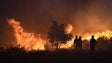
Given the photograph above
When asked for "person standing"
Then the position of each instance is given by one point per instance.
(92, 44)
(80, 42)
(76, 42)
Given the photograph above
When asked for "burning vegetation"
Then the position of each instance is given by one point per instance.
(27, 40)
(59, 36)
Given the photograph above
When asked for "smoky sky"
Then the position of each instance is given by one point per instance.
(37, 15)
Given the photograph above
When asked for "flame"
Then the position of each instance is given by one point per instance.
(68, 45)
(68, 28)
(27, 40)
(107, 33)
(31, 41)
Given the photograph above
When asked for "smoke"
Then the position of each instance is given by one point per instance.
(76, 12)
(94, 18)
(86, 16)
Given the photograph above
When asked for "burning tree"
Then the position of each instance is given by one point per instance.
(59, 34)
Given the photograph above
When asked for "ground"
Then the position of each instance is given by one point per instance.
(59, 56)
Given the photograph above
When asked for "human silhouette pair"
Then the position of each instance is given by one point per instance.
(78, 43)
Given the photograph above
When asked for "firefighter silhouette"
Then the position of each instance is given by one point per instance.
(78, 42)
(92, 44)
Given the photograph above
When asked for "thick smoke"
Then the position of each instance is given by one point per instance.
(94, 18)
(36, 16)
(40, 14)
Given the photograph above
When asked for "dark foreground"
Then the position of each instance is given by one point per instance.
(61, 56)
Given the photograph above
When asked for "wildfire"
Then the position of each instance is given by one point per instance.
(31, 41)
(68, 29)
(87, 36)
(106, 33)
(68, 45)
(27, 40)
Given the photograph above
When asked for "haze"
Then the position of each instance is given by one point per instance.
(36, 16)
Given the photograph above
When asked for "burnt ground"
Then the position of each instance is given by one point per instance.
(59, 56)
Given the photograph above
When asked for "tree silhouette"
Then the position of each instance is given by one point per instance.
(57, 34)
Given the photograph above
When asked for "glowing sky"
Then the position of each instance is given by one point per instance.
(37, 15)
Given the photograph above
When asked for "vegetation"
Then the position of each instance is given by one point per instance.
(16, 54)
(57, 34)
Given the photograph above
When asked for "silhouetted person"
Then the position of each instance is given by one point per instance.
(76, 41)
(92, 44)
(80, 43)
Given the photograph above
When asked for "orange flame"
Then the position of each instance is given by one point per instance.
(87, 36)
(106, 33)
(68, 45)
(27, 40)
(68, 28)
(31, 42)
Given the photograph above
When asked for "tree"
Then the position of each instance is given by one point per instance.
(57, 34)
